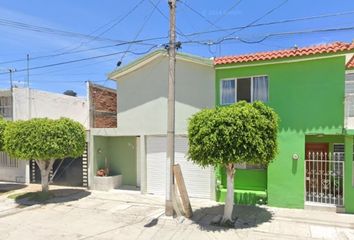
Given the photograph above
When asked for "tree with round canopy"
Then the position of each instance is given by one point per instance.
(44, 140)
(238, 133)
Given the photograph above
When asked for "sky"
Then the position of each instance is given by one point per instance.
(71, 42)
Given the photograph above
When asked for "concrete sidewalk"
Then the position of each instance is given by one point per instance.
(130, 215)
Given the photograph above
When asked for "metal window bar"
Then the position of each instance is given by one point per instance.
(7, 161)
(6, 107)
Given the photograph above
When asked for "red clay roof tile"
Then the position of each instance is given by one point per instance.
(304, 51)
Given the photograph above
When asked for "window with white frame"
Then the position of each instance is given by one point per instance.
(248, 89)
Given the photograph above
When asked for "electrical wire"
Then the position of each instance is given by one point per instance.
(199, 14)
(83, 59)
(273, 23)
(116, 22)
(258, 19)
(178, 30)
(48, 30)
(206, 43)
(90, 49)
(146, 20)
(210, 42)
(227, 11)
(143, 41)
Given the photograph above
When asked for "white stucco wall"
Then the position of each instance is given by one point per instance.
(14, 174)
(50, 105)
(42, 104)
(142, 96)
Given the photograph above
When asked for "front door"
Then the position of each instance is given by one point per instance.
(323, 175)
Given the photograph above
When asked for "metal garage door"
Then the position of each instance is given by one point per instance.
(197, 179)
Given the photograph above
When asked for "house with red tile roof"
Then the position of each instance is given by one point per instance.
(312, 90)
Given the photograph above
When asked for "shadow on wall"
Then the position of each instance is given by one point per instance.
(246, 217)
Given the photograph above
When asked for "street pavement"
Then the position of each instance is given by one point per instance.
(81, 214)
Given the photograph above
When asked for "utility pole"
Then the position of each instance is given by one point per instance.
(171, 111)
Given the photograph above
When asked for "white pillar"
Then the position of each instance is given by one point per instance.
(143, 178)
(27, 172)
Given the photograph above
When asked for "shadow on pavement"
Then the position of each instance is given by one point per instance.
(53, 196)
(246, 217)
(7, 187)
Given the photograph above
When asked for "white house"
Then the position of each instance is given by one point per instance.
(136, 149)
(25, 103)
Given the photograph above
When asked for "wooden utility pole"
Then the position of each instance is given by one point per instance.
(171, 111)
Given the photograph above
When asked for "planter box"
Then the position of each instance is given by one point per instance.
(107, 183)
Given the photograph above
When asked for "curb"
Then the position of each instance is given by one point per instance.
(14, 211)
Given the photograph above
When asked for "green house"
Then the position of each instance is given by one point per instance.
(312, 90)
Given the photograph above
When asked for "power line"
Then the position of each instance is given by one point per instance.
(199, 14)
(48, 30)
(227, 11)
(179, 31)
(116, 22)
(83, 59)
(260, 18)
(146, 20)
(207, 43)
(210, 42)
(90, 49)
(122, 18)
(272, 23)
(143, 41)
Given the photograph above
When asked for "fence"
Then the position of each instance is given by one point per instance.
(324, 178)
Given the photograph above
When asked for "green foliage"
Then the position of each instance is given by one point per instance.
(3, 124)
(44, 139)
(242, 132)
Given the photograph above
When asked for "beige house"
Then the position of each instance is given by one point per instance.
(136, 149)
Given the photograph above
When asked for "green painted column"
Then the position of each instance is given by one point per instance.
(348, 175)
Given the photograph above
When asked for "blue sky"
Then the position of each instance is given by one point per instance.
(98, 17)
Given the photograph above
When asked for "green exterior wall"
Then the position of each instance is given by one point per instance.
(100, 152)
(308, 97)
(121, 157)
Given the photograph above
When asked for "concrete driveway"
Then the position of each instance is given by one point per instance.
(129, 215)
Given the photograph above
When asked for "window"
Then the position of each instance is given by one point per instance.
(248, 89)
(7, 161)
(228, 91)
(338, 151)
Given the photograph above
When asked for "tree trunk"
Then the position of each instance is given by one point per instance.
(229, 203)
(45, 167)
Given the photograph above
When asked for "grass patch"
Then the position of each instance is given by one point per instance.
(32, 196)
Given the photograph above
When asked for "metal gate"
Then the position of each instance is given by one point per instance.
(324, 178)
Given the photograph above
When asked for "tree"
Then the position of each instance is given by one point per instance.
(239, 133)
(44, 140)
(3, 124)
(70, 93)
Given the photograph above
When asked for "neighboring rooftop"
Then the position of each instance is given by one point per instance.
(287, 53)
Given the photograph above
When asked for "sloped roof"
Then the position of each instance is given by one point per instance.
(350, 64)
(142, 61)
(294, 52)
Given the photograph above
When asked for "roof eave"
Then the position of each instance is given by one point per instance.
(138, 63)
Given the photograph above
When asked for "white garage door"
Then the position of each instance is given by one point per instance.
(197, 179)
